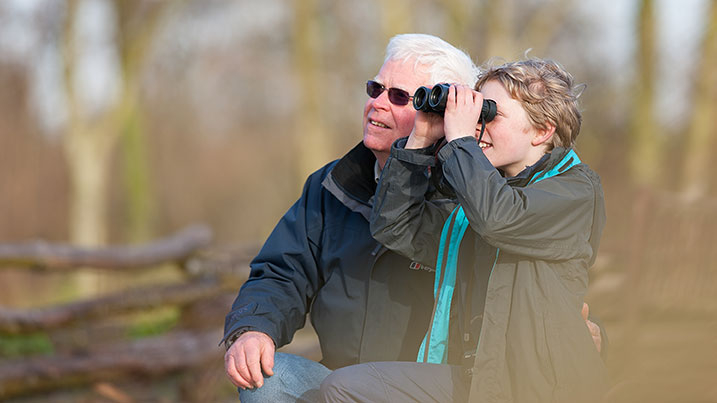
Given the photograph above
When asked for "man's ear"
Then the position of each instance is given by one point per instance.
(543, 136)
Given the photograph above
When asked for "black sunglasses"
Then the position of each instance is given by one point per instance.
(397, 96)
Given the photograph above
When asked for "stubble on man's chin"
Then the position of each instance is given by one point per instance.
(376, 151)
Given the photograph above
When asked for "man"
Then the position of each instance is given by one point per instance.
(366, 303)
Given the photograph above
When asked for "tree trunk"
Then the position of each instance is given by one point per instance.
(499, 19)
(91, 140)
(87, 146)
(543, 25)
(396, 18)
(644, 136)
(643, 163)
(88, 152)
(136, 42)
(312, 142)
(702, 130)
(460, 17)
(138, 206)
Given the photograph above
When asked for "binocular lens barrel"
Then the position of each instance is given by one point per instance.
(434, 100)
(420, 99)
(439, 97)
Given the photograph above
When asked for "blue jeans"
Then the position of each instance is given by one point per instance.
(295, 379)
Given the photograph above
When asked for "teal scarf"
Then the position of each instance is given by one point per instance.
(435, 343)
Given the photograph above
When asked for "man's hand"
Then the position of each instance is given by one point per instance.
(594, 329)
(427, 130)
(251, 353)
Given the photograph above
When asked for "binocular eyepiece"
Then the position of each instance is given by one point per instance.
(434, 100)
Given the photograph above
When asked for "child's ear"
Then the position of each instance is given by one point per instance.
(543, 136)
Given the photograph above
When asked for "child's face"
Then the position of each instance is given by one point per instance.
(507, 141)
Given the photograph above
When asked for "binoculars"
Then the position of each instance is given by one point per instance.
(434, 100)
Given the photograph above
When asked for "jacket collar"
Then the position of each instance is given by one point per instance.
(352, 179)
(545, 163)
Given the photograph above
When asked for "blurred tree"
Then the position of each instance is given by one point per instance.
(643, 160)
(703, 126)
(509, 30)
(313, 144)
(92, 134)
(87, 144)
(138, 23)
(396, 18)
(460, 14)
(498, 35)
(644, 141)
(544, 23)
(342, 60)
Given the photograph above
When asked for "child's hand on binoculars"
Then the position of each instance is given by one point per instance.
(463, 110)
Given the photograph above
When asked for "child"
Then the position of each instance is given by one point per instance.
(511, 258)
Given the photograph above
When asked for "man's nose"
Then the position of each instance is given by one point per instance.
(381, 101)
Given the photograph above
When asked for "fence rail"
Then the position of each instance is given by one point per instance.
(44, 255)
(207, 276)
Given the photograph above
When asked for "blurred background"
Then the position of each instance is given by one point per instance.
(125, 122)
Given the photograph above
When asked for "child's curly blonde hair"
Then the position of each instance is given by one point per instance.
(546, 91)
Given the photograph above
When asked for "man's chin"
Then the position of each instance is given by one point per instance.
(379, 149)
(376, 144)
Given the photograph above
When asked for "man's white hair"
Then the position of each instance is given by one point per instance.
(445, 63)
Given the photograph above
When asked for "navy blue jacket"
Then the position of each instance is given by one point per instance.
(366, 302)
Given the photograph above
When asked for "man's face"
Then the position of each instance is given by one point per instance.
(384, 122)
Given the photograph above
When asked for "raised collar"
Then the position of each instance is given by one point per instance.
(352, 179)
(545, 163)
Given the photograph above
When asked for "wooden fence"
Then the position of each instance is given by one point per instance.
(89, 338)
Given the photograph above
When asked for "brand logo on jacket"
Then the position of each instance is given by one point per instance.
(419, 266)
